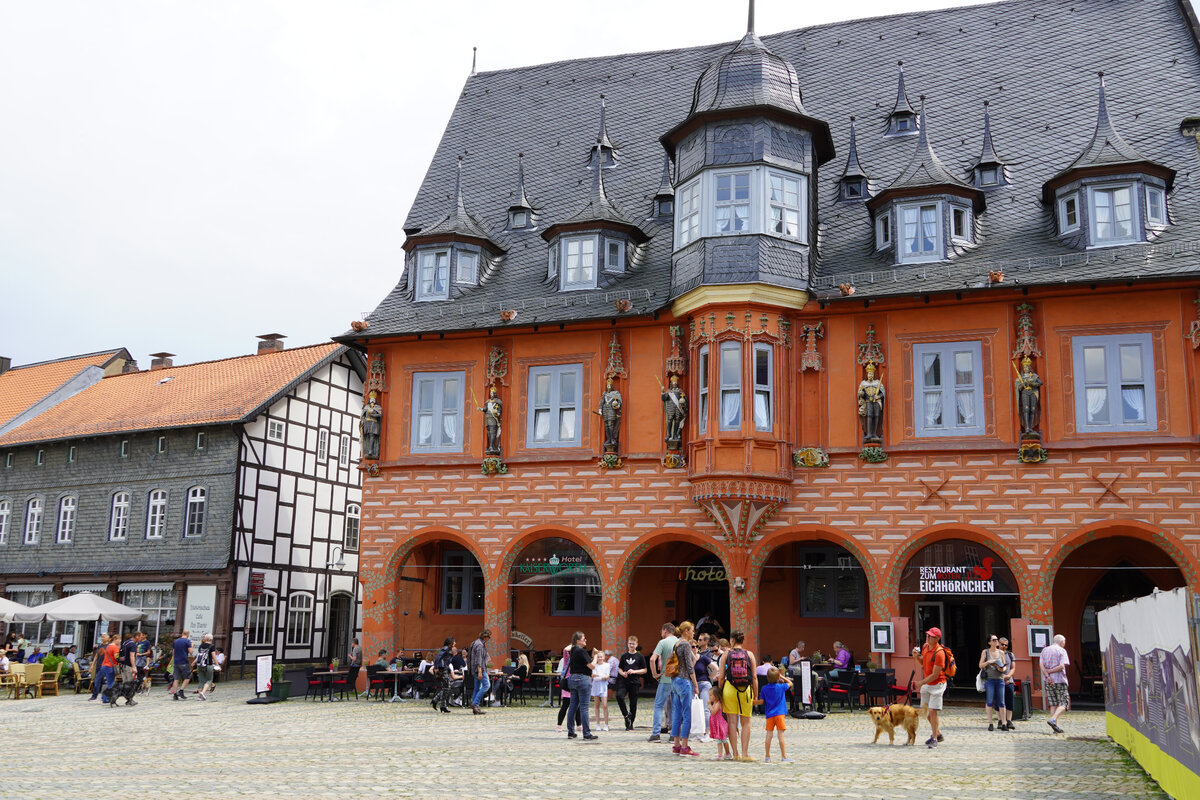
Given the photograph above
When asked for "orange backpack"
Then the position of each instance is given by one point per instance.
(951, 668)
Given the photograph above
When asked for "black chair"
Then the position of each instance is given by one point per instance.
(345, 682)
(877, 686)
(902, 695)
(379, 681)
(844, 686)
(315, 686)
(516, 684)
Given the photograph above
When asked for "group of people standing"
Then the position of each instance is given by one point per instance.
(717, 679)
(120, 667)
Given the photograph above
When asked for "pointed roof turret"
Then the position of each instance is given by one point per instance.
(753, 79)
(926, 171)
(903, 119)
(665, 188)
(458, 225)
(987, 156)
(1106, 153)
(598, 212)
(903, 106)
(854, 180)
(521, 200)
(603, 143)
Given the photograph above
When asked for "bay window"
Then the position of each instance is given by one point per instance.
(731, 386)
(731, 202)
(689, 214)
(433, 275)
(1112, 209)
(752, 200)
(763, 383)
(702, 379)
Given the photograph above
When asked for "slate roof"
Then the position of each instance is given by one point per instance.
(925, 168)
(230, 390)
(1035, 61)
(23, 386)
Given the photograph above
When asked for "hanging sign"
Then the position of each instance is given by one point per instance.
(956, 566)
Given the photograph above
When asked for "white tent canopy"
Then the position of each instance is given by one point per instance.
(9, 610)
(81, 607)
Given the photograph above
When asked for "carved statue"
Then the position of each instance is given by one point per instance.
(675, 410)
(610, 412)
(370, 426)
(493, 409)
(1029, 399)
(870, 406)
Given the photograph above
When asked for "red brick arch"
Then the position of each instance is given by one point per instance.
(402, 551)
(1027, 583)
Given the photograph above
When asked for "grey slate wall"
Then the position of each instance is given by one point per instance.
(99, 472)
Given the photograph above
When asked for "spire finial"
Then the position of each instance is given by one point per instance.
(458, 195)
(474, 52)
(522, 200)
(750, 19)
(604, 145)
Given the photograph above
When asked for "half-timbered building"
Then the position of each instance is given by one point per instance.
(221, 496)
(927, 284)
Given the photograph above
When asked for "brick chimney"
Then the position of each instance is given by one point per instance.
(270, 342)
(161, 361)
(5, 364)
(129, 366)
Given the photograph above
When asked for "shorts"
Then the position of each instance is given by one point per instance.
(183, 672)
(739, 702)
(776, 723)
(599, 688)
(1057, 694)
(931, 696)
(204, 675)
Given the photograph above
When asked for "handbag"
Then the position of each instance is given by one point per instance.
(671, 670)
(979, 684)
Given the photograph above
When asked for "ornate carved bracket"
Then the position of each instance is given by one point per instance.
(676, 363)
(705, 330)
(1026, 338)
(615, 368)
(870, 351)
(740, 507)
(810, 358)
(377, 374)
(497, 366)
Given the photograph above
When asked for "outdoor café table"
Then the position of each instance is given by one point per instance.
(395, 675)
(548, 677)
(327, 680)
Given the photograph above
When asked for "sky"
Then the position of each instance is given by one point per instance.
(183, 176)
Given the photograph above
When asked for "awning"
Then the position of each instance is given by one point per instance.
(72, 588)
(29, 587)
(161, 586)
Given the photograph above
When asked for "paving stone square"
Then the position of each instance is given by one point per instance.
(67, 746)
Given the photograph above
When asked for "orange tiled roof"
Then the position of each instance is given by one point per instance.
(21, 387)
(192, 394)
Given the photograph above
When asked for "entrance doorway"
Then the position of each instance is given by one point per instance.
(963, 588)
(337, 642)
(707, 595)
(677, 581)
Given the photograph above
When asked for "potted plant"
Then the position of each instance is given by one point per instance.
(279, 687)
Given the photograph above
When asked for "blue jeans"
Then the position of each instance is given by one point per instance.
(705, 690)
(661, 697)
(581, 690)
(995, 692)
(681, 720)
(482, 686)
(106, 677)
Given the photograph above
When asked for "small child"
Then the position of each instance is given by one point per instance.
(773, 696)
(600, 670)
(718, 728)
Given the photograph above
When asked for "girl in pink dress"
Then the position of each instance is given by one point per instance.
(718, 728)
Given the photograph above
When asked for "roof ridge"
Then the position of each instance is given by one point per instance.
(227, 358)
(66, 358)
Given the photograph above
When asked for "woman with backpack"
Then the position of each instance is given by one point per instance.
(739, 686)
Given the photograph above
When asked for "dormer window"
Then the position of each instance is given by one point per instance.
(518, 218)
(883, 232)
(960, 224)
(614, 255)
(433, 274)
(920, 233)
(989, 176)
(579, 262)
(1068, 213)
(1112, 209)
(854, 188)
(1156, 206)
(666, 207)
(902, 123)
(468, 267)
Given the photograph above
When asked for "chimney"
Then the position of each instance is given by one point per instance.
(270, 342)
(130, 366)
(161, 361)
(5, 364)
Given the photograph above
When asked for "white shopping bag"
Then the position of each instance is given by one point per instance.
(698, 710)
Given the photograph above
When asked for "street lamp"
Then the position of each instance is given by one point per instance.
(341, 558)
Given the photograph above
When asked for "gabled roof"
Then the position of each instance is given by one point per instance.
(1044, 114)
(210, 392)
(22, 387)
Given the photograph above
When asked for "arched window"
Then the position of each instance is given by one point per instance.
(33, 521)
(299, 619)
(260, 627)
(66, 520)
(156, 514)
(118, 519)
(197, 504)
(350, 536)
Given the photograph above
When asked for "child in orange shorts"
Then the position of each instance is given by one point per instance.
(773, 696)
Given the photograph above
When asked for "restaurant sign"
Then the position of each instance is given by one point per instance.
(554, 561)
(956, 566)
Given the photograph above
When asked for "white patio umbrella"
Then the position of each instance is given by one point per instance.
(9, 610)
(80, 607)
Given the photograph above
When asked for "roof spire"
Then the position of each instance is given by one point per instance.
(602, 153)
(902, 104)
(459, 206)
(925, 169)
(474, 52)
(665, 188)
(853, 168)
(988, 154)
(750, 19)
(603, 141)
(522, 200)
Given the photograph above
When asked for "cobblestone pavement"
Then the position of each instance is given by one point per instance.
(66, 746)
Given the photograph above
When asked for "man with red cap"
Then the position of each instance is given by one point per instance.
(933, 686)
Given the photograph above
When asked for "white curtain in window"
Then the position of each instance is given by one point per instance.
(425, 429)
(1097, 405)
(966, 407)
(762, 411)
(731, 409)
(541, 425)
(449, 428)
(928, 227)
(1134, 399)
(566, 425)
(933, 409)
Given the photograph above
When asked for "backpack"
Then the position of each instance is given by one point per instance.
(671, 670)
(201, 658)
(951, 668)
(737, 667)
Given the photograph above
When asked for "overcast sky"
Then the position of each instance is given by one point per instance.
(182, 176)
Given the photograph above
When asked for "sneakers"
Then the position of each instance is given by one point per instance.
(931, 742)
(202, 697)
(572, 735)
(444, 710)
(1054, 725)
(628, 724)
(1009, 726)
(589, 737)
(604, 727)
(676, 749)
(785, 761)
(941, 738)
(687, 751)
(767, 760)
(747, 759)
(654, 737)
(560, 728)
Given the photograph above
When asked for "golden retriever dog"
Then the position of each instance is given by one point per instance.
(888, 718)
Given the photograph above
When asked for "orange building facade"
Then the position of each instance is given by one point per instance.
(786, 508)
